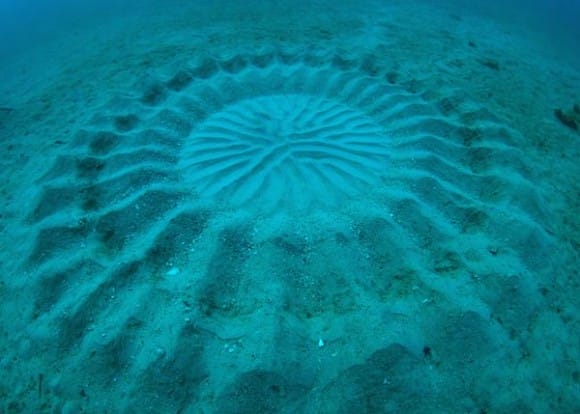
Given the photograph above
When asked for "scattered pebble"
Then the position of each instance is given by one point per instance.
(172, 272)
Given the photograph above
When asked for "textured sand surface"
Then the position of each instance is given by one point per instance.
(290, 209)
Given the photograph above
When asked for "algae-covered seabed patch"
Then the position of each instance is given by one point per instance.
(289, 209)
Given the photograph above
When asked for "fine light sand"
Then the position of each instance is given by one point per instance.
(249, 208)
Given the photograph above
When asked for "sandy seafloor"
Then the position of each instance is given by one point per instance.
(434, 269)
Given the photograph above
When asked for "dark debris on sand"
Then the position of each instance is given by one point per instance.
(570, 118)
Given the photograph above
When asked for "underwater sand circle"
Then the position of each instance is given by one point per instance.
(293, 151)
(115, 224)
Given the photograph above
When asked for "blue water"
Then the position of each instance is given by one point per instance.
(289, 207)
(27, 22)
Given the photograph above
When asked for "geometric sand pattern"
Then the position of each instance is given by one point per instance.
(269, 133)
(285, 150)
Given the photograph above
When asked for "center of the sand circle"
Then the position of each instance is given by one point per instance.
(285, 151)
